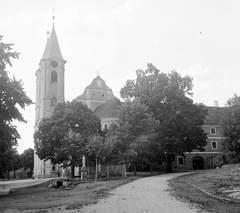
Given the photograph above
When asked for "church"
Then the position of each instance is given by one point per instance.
(50, 91)
(99, 98)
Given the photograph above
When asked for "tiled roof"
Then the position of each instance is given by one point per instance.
(108, 109)
(214, 115)
(52, 48)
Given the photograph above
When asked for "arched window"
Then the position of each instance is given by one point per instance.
(54, 76)
(105, 127)
(53, 101)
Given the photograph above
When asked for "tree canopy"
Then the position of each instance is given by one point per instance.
(136, 131)
(63, 136)
(231, 129)
(27, 160)
(167, 97)
(12, 97)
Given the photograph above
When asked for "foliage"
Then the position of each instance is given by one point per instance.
(12, 96)
(62, 137)
(133, 136)
(11, 161)
(27, 159)
(167, 97)
(231, 130)
(99, 147)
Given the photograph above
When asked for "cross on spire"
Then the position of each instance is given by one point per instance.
(98, 72)
(53, 17)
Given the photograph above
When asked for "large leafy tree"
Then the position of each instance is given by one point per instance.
(230, 124)
(27, 160)
(134, 135)
(167, 97)
(12, 97)
(62, 137)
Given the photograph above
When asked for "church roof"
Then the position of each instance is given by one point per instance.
(52, 48)
(97, 83)
(108, 109)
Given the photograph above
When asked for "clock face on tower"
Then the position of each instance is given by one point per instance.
(54, 64)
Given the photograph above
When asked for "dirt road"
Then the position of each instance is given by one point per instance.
(143, 195)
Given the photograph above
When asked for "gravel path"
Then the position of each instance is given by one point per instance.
(143, 195)
(148, 194)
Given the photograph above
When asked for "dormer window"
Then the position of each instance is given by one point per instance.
(54, 76)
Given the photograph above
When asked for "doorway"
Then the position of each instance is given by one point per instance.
(198, 162)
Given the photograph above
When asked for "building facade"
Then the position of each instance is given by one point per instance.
(212, 155)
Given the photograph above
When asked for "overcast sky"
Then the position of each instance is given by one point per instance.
(116, 37)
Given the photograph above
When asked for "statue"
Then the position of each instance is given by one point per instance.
(83, 161)
(83, 171)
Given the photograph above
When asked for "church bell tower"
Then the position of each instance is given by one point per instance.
(49, 92)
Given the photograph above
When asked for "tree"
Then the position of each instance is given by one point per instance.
(98, 148)
(12, 96)
(135, 134)
(62, 137)
(167, 97)
(230, 124)
(11, 162)
(27, 160)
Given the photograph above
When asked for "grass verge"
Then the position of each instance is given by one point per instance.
(40, 199)
(216, 190)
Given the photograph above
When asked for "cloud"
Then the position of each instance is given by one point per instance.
(211, 83)
(118, 83)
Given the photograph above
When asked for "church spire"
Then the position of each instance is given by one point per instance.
(52, 48)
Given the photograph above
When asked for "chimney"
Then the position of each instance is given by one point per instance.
(215, 104)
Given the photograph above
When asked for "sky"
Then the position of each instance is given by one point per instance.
(114, 38)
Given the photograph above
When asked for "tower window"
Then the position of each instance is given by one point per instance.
(53, 101)
(54, 76)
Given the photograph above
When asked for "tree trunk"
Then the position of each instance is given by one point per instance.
(72, 171)
(135, 169)
(107, 172)
(150, 165)
(96, 170)
(125, 172)
(169, 163)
